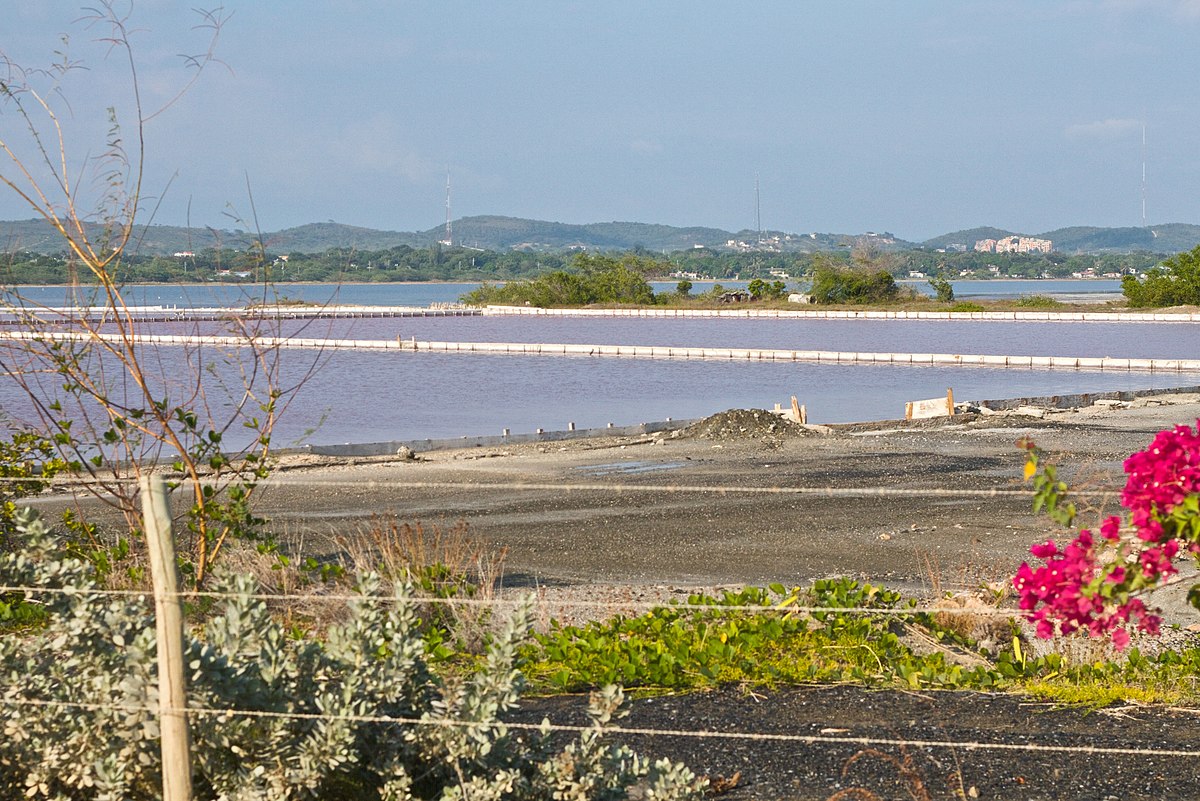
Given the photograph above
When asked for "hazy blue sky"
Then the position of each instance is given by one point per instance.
(917, 118)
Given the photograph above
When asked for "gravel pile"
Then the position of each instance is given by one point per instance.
(746, 424)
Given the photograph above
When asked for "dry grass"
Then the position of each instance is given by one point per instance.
(909, 777)
(441, 562)
(970, 614)
(404, 551)
(306, 605)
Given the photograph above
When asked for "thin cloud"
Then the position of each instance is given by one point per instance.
(1182, 9)
(1103, 129)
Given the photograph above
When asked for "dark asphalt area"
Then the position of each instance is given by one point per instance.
(745, 768)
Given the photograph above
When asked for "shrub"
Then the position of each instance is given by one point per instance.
(113, 410)
(942, 288)
(767, 290)
(81, 722)
(1175, 283)
(593, 279)
(1037, 302)
(833, 284)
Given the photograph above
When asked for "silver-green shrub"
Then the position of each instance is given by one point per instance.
(280, 715)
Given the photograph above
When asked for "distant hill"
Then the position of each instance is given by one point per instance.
(499, 233)
(319, 237)
(966, 238)
(37, 236)
(506, 233)
(1170, 238)
(1088, 239)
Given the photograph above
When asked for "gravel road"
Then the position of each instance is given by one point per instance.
(907, 504)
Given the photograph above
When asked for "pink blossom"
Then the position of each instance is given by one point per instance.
(1063, 595)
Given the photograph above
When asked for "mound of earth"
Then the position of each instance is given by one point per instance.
(746, 424)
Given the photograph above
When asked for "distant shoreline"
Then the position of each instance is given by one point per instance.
(439, 281)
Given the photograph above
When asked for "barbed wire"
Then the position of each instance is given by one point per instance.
(594, 486)
(719, 605)
(704, 734)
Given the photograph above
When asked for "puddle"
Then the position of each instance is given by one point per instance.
(627, 468)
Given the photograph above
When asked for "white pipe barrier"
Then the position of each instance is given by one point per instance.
(634, 351)
(169, 313)
(865, 314)
(148, 314)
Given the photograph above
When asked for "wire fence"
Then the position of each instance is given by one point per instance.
(717, 607)
(802, 739)
(69, 483)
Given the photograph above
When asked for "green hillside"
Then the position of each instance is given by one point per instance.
(319, 237)
(498, 233)
(504, 233)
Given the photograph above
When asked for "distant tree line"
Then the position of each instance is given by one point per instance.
(343, 265)
(405, 263)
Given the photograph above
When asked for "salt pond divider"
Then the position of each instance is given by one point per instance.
(632, 351)
(859, 314)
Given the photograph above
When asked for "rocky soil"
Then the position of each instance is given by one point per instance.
(854, 756)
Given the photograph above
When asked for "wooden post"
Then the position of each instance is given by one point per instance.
(950, 401)
(908, 410)
(797, 415)
(168, 614)
(803, 414)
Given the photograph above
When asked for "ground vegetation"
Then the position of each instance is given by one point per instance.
(1175, 283)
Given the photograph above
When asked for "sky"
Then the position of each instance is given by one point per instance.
(918, 118)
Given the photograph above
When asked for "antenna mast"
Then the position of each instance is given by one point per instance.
(1143, 175)
(449, 240)
(757, 209)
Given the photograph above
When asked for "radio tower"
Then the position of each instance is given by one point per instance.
(1143, 175)
(449, 240)
(757, 210)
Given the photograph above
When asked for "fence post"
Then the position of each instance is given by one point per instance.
(168, 616)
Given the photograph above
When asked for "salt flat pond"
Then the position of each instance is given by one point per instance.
(370, 397)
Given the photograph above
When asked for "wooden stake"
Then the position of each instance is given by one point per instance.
(797, 415)
(172, 693)
(950, 401)
(908, 410)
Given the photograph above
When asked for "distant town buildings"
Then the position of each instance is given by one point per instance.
(767, 243)
(1014, 244)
